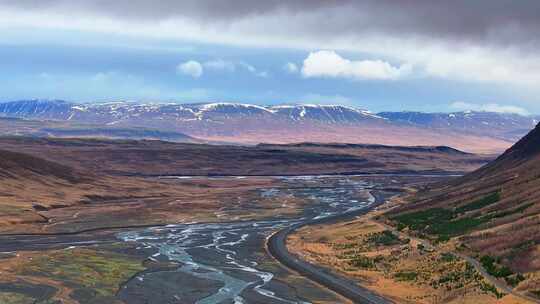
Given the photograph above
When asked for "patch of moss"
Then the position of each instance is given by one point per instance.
(480, 203)
(455, 227)
(84, 268)
(446, 223)
(419, 220)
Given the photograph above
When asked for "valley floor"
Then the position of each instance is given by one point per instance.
(216, 255)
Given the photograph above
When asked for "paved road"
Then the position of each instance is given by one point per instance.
(276, 245)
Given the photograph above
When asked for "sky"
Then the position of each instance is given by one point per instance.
(380, 55)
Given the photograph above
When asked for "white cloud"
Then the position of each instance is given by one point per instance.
(488, 107)
(290, 67)
(248, 67)
(220, 64)
(432, 56)
(230, 66)
(263, 74)
(253, 70)
(191, 68)
(330, 64)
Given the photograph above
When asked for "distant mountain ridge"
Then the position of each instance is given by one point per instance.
(252, 124)
(62, 110)
(504, 125)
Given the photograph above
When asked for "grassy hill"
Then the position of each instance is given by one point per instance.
(492, 213)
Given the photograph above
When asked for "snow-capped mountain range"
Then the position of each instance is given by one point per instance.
(114, 111)
(249, 123)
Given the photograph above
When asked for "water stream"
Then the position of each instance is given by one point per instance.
(218, 262)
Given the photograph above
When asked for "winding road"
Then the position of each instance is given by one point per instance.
(225, 262)
(277, 247)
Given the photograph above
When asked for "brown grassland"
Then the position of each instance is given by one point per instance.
(402, 268)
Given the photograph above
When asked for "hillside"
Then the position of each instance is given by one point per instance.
(491, 213)
(29, 183)
(158, 158)
(19, 166)
(478, 132)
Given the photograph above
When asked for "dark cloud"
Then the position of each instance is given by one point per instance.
(503, 22)
(211, 9)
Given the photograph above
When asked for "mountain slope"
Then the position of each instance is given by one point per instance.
(15, 165)
(29, 184)
(493, 212)
(506, 126)
(479, 132)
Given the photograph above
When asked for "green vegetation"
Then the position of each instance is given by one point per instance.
(401, 226)
(455, 273)
(361, 261)
(455, 227)
(452, 276)
(443, 271)
(448, 257)
(97, 272)
(480, 203)
(383, 238)
(514, 280)
(406, 275)
(421, 219)
(439, 222)
(442, 238)
(493, 269)
(491, 288)
(445, 223)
